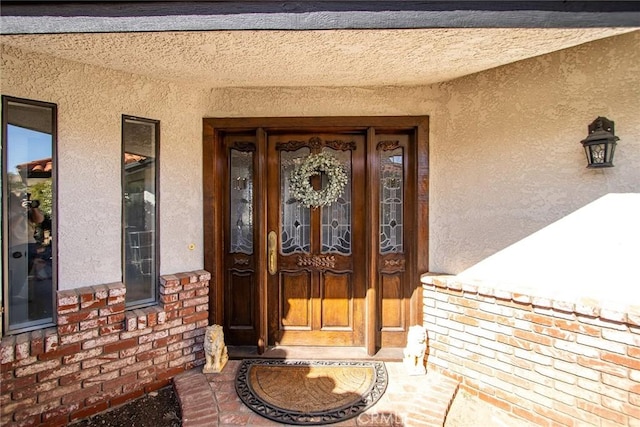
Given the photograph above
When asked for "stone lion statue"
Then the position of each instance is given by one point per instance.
(415, 350)
(214, 349)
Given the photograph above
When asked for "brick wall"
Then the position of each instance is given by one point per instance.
(100, 355)
(549, 362)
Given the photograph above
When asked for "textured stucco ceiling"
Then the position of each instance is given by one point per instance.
(309, 58)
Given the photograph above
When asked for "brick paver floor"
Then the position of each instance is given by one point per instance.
(211, 400)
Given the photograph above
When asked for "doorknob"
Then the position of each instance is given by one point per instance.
(272, 258)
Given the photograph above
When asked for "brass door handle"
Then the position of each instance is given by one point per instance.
(272, 256)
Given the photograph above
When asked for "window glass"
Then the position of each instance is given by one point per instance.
(140, 176)
(28, 142)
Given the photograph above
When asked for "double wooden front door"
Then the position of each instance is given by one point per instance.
(339, 270)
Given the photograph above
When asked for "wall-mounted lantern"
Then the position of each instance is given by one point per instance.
(600, 144)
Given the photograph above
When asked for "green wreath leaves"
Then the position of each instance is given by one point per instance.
(316, 164)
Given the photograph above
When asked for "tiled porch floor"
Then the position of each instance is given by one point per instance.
(211, 400)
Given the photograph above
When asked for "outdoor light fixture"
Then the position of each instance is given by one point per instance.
(600, 144)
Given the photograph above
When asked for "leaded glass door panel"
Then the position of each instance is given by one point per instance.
(316, 285)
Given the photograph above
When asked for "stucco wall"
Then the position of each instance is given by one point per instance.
(509, 180)
(506, 160)
(90, 102)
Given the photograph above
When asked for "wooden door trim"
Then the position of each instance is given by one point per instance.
(213, 190)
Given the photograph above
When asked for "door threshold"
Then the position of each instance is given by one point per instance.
(388, 354)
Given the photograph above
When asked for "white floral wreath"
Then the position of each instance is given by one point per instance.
(316, 164)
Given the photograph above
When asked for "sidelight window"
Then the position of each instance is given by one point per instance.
(28, 212)
(140, 142)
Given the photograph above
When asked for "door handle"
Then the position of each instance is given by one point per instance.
(272, 257)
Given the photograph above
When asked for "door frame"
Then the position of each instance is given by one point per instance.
(214, 158)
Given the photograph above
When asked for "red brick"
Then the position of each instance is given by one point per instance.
(118, 382)
(66, 309)
(35, 410)
(51, 339)
(186, 311)
(172, 306)
(196, 332)
(59, 414)
(166, 299)
(156, 385)
(58, 392)
(170, 373)
(69, 328)
(111, 329)
(187, 294)
(533, 337)
(93, 323)
(77, 317)
(530, 416)
(81, 395)
(127, 397)
(7, 349)
(23, 346)
(116, 300)
(37, 343)
(152, 319)
(198, 317)
(33, 390)
(37, 367)
(101, 341)
(88, 411)
(93, 303)
(112, 309)
(79, 356)
(195, 301)
(99, 379)
(12, 384)
(116, 364)
(621, 360)
(139, 348)
(104, 396)
(60, 352)
(577, 327)
(151, 354)
(58, 372)
(116, 289)
(120, 345)
(79, 376)
(186, 278)
(135, 367)
(116, 318)
(68, 297)
(602, 412)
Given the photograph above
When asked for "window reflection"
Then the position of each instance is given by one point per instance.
(28, 141)
(139, 209)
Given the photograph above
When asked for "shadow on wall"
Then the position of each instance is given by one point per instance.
(593, 252)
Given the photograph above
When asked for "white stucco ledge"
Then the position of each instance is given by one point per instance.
(614, 311)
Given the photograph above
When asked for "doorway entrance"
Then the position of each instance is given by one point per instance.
(314, 228)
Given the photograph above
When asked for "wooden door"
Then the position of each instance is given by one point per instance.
(345, 274)
(316, 284)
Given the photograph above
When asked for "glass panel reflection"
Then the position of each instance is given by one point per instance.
(391, 201)
(28, 143)
(241, 202)
(296, 219)
(336, 218)
(140, 210)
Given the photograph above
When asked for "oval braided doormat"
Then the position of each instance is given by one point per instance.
(310, 392)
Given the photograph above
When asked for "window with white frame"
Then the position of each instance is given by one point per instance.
(140, 146)
(28, 213)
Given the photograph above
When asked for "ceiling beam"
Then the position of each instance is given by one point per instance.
(34, 17)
